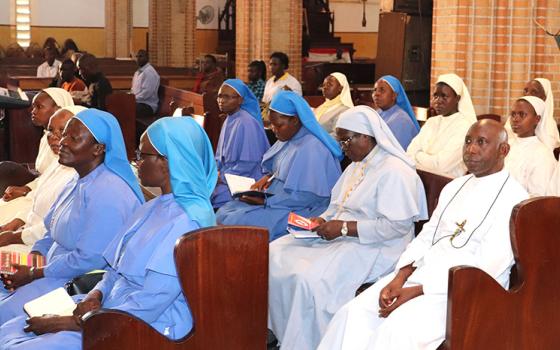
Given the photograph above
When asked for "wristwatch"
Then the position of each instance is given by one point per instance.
(344, 229)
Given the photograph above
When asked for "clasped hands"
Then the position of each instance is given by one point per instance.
(54, 323)
(394, 295)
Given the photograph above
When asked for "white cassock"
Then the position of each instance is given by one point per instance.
(484, 243)
(49, 186)
(438, 147)
(44, 159)
(310, 279)
(531, 163)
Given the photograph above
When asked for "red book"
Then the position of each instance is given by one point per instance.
(301, 222)
(7, 259)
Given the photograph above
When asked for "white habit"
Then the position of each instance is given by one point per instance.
(272, 87)
(310, 279)
(531, 163)
(485, 243)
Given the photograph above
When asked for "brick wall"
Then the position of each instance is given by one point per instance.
(496, 48)
(118, 28)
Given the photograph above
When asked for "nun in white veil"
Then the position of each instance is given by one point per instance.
(336, 91)
(529, 161)
(438, 146)
(369, 222)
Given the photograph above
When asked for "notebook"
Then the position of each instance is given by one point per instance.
(7, 259)
(56, 302)
(241, 186)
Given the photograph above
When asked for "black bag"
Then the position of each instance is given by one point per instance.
(84, 283)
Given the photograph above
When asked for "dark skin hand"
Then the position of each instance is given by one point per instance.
(92, 302)
(13, 192)
(329, 230)
(12, 225)
(21, 277)
(10, 237)
(394, 294)
(51, 324)
(260, 185)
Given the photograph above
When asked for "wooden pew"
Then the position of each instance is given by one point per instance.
(204, 104)
(123, 107)
(482, 315)
(224, 276)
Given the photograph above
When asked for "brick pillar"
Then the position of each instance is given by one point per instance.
(266, 26)
(172, 32)
(495, 47)
(118, 28)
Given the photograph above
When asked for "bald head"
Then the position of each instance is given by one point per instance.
(485, 148)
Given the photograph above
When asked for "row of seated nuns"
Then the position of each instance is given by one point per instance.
(365, 215)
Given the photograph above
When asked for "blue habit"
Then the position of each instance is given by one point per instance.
(80, 225)
(305, 171)
(400, 124)
(141, 279)
(240, 151)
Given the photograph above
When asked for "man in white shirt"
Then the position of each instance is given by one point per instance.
(145, 85)
(49, 68)
(470, 226)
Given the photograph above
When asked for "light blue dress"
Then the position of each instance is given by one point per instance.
(80, 226)
(240, 151)
(305, 171)
(400, 124)
(141, 279)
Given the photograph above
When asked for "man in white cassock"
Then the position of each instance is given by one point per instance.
(529, 160)
(470, 226)
(366, 227)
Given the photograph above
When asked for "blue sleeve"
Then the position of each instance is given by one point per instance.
(106, 284)
(157, 294)
(103, 218)
(242, 168)
(293, 200)
(149, 85)
(44, 244)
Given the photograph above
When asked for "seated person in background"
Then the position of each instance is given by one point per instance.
(145, 85)
(437, 148)
(84, 219)
(98, 87)
(280, 80)
(529, 161)
(336, 91)
(68, 48)
(141, 277)
(302, 167)
(27, 226)
(49, 68)
(45, 104)
(242, 141)
(257, 77)
(395, 109)
(68, 79)
(470, 226)
(51, 42)
(211, 77)
(547, 131)
(369, 222)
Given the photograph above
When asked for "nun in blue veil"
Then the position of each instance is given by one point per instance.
(175, 155)
(395, 109)
(84, 219)
(243, 140)
(302, 168)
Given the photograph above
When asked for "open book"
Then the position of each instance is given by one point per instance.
(56, 302)
(7, 259)
(301, 227)
(241, 186)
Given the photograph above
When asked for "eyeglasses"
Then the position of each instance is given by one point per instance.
(346, 142)
(140, 156)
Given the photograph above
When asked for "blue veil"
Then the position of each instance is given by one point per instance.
(250, 103)
(192, 167)
(402, 99)
(291, 104)
(106, 130)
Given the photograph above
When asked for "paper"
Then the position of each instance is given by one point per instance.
(241, 186)
(7, 259)
(302, 234)
(56, 302)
